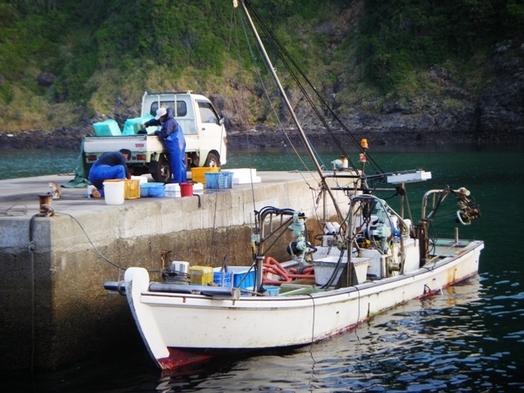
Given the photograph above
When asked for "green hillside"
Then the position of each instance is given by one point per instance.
(62, 61)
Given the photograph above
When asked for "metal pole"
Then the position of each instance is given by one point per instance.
(290, 108)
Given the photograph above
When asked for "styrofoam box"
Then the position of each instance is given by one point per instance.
(173, 190)
(141, 179)
(245, 175)
(247, 180)
(324, 268)
(198, 188)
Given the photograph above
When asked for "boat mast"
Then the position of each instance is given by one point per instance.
(290, 108)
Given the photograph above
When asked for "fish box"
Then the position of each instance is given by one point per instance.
(198, 188)
(325, 267)
(272, 290)
(156, 190)
(173, 190)
(198, 173)
(225, 179)
(223, 279)
(131, 189)
(107, 127)
(201, 275)
(212, 179)
(242, 277)
(245, 176)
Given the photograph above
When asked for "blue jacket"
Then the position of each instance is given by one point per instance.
(168, 127)
(113, 158)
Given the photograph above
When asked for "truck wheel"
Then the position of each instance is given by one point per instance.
(212, 160)
(160, 170)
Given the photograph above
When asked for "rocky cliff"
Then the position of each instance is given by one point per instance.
(447, 115)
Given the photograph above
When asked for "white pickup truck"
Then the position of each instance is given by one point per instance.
(203, 128)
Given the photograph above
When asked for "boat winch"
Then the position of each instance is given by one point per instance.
(300, 247)
(176, 273)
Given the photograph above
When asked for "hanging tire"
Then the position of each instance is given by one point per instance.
(212, 160)
(161, 170)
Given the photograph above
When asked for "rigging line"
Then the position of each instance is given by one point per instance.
(282, 130)
(270, 103)
(243, 100)
(269, 31)
(275, 114)
(279, 49)
(285, 101)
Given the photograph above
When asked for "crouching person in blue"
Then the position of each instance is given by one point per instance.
(110, 165)
(174, 140)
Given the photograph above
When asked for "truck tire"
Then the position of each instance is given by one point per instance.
(212, 160)
(161, 170)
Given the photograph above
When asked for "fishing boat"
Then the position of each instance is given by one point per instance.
(368, 259)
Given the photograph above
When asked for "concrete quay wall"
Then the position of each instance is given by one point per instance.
(54, 309)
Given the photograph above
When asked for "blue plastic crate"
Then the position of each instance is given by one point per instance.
(272, 291)
(212, 179)
(225, 180)
(243, 277)
(223, 279)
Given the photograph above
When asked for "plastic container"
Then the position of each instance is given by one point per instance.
(242, 277)
(186, 189)
(144, 190)
(225, 180)
(90, 190)
(131, 189)
(324, 268)
(198, 188)
(141, 179)
(212, 180)
(114, 192)
(201, 275)
(172, 190)
(198, 173)
(107, 127)
(181, 267)
(156, 190)
(223, 279)
(272, 291)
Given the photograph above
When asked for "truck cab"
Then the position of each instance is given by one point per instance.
(203, 129)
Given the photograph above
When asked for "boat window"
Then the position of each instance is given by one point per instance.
(207, 112)
(181, 109)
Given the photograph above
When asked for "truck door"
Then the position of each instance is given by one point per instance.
(212, 135)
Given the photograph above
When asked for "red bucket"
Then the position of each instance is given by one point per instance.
(186, 189)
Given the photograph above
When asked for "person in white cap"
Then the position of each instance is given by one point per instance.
(174, 140)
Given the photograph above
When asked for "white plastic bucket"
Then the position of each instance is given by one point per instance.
(114, 192)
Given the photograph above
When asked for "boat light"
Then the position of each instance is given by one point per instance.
(364, 143)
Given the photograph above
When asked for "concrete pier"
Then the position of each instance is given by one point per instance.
(54, 309)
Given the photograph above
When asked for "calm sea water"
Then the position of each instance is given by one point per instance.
(470, 338)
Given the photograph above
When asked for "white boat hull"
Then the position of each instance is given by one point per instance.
(179, 329)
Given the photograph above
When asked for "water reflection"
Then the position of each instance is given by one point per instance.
(438, 344)
(470, 339)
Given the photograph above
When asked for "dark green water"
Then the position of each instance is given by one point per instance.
(468, 339)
